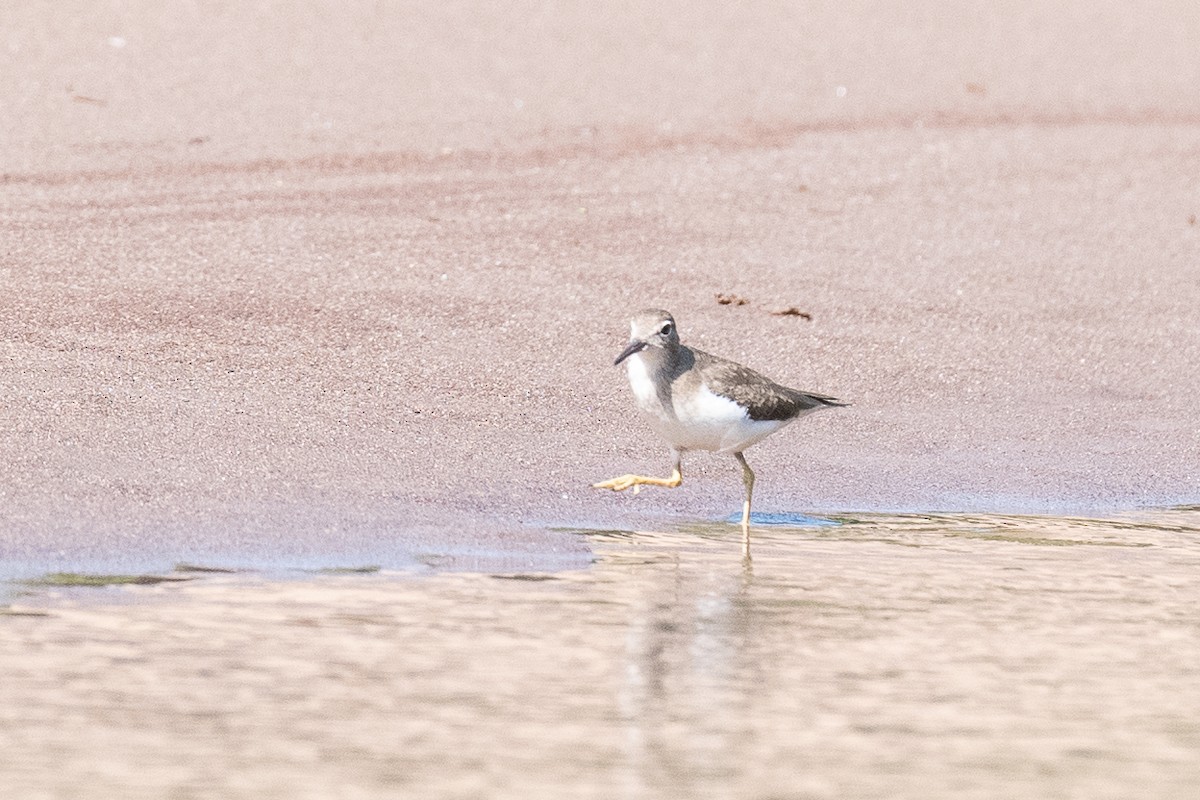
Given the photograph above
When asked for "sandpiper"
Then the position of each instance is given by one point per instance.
(698, 401)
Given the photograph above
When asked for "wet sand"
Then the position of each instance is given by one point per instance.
(891, 656)
(341, 287)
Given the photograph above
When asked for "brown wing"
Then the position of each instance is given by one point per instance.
(762, 397)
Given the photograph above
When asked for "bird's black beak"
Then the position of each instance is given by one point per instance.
(635, 346)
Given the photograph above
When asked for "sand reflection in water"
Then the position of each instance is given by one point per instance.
(899, 656)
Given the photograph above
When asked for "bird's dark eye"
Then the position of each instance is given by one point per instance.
(666, 329)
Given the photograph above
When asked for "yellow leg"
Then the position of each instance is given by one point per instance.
(625, 481)
(748, 482)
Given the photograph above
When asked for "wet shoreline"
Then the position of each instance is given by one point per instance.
(400, 560)
(933, 656)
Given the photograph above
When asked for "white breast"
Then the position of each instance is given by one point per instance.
(644, 390)
(702, 420)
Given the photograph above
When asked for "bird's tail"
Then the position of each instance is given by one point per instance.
(810, 400)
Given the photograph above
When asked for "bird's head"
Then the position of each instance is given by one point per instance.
(653, 330)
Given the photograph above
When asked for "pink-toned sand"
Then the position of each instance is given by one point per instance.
(348, 279)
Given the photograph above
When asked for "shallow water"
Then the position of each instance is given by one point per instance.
(886, 656)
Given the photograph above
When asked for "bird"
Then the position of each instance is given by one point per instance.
(698, 401)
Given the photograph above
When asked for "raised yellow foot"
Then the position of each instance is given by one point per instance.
(626, 481)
